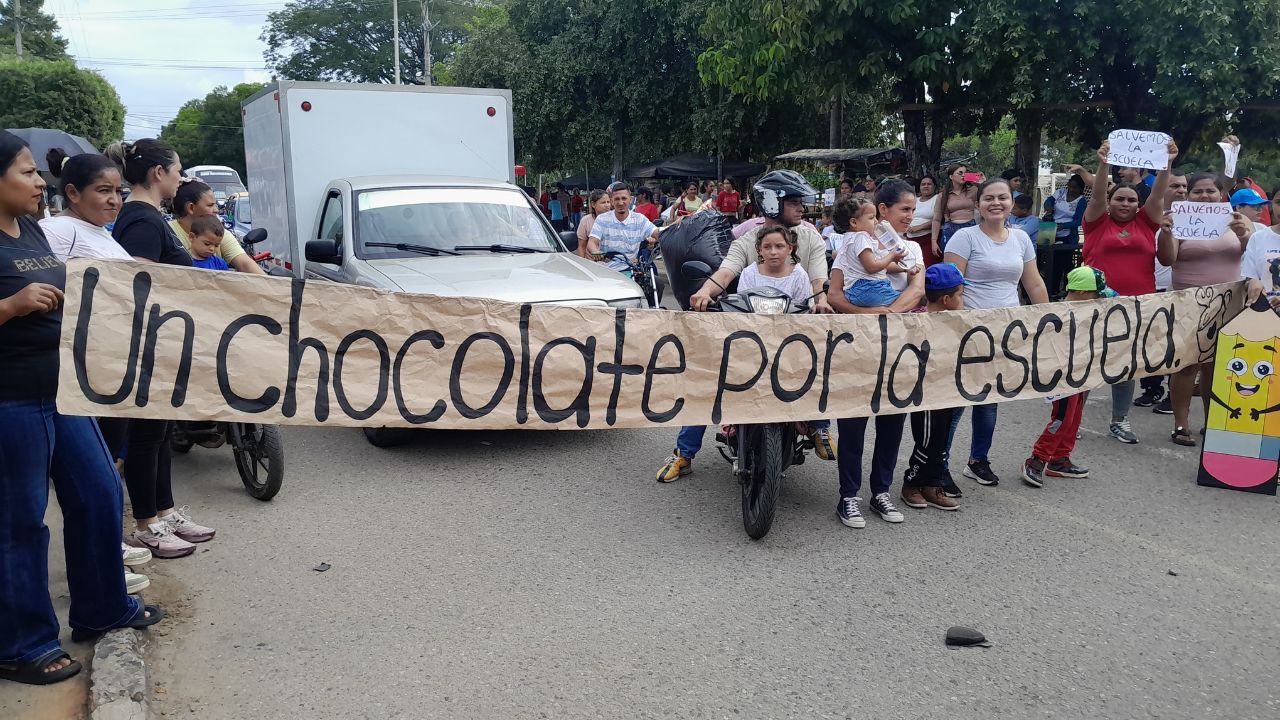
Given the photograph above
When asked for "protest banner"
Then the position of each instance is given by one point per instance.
(147, 340)
(1200, 220)
(1144, 149)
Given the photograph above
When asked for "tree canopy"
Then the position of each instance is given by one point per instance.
(350, 40)
(43, 93)
(210, 130)
(40, 38)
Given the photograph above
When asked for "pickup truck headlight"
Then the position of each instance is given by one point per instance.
(627, 303)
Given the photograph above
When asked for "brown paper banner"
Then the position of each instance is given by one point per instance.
(151, 341)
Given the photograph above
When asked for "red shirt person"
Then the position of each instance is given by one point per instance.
(645, 206)
(728, 200)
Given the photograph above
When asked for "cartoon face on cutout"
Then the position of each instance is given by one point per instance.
(1213, 315)
(1244, 379)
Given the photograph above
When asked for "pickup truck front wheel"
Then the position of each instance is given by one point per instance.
(385, 437)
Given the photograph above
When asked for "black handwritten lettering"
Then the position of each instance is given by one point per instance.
(721, 385)
(269, 397)
(1009, 353)
(1044, 386)
(916, 395)
(1108, 340)
(833, 340)
(1072, 381)
(80, 343)
(963, 360)
(384, 368)
(616, 368)
(504, 382)
(297, 346)
(775, 378)
(437, 342)
(581, 404)
(1166, 361)
(653, 369)
(155, 321)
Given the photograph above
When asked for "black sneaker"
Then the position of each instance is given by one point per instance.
(1164, 407)
(883, 506)
(980, 470)
(1064, 468)
(950, 489)
(1149, 397)
(1033, 472)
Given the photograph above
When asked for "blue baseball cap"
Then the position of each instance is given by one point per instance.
(1246, 196)
(943, 276)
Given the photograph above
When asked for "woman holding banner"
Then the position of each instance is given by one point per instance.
(1197, 263)
(995, 260)
(39, 444)
(1120, 240)
(895, 204)
(154, 171)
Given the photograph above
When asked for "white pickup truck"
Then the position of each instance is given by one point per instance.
(407, 188)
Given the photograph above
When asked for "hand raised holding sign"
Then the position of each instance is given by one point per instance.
(1241, 226)
(1138, 148)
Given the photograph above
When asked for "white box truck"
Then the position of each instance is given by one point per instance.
(407, 188)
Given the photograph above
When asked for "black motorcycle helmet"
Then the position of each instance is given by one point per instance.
(770, 190)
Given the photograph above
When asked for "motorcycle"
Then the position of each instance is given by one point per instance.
(258, 449)
(251, 238)
(644, 272)
(759, 453)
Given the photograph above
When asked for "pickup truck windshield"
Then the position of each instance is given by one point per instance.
(446, 218)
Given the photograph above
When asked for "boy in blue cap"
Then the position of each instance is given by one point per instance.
(1051, 455)
(1250, 204)
(926, 482)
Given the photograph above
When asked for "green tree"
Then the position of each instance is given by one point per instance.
(210, 130)
(40, 39)
(618, 81)
(43, 93)
(350, 40)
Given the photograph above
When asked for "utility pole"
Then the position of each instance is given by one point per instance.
(395, 35)
(17, 28)
(426, 43)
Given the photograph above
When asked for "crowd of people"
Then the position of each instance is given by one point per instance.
(969, 243)
(883, 247)
(87, 460)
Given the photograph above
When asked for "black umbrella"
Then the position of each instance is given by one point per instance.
(42, 140)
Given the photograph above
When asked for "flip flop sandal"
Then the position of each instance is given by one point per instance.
(1181, 437)
(33, 673)
(146, 616)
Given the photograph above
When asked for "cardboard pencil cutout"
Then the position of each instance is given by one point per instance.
(1242, 436)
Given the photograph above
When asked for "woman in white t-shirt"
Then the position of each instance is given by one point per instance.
(995, 260)
(91, 184)
(921, 229)
(1261, 259)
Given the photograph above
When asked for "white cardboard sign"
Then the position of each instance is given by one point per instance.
(1146, 149)
(1200, 220)
(1230, 156)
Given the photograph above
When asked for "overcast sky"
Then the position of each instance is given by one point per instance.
(161, 53)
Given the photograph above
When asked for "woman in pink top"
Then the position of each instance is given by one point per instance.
(1197, 263)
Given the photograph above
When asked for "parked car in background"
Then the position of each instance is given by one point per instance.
(224, 181)
(238, 215)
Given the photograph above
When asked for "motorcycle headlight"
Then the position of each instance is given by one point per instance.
(627, 303)
(769, 305)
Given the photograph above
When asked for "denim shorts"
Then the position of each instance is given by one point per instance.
(871, 293)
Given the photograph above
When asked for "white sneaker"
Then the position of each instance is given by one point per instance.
(161, 541)
(135, 583)
(134, 556)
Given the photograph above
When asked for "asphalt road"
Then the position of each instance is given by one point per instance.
(531, 575)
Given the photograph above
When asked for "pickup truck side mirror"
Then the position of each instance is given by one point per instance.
(323, 251)
(254, 236)
(570, 239)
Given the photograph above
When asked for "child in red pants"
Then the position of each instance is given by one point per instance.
(1051, 455)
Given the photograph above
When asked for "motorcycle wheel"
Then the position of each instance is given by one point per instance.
(761, 486)
(259, 456)
(180, 445)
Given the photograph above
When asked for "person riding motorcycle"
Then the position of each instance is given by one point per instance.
(781, 196)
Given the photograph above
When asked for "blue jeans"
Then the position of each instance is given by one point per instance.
(884, 457)
(949, 229)
(689, 439)
(37, 445)
(871, 293)
(984, 429)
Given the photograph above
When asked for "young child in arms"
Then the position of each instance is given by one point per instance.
(206, 238)
(867, 255)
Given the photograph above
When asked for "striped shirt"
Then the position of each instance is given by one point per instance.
(621, 236)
